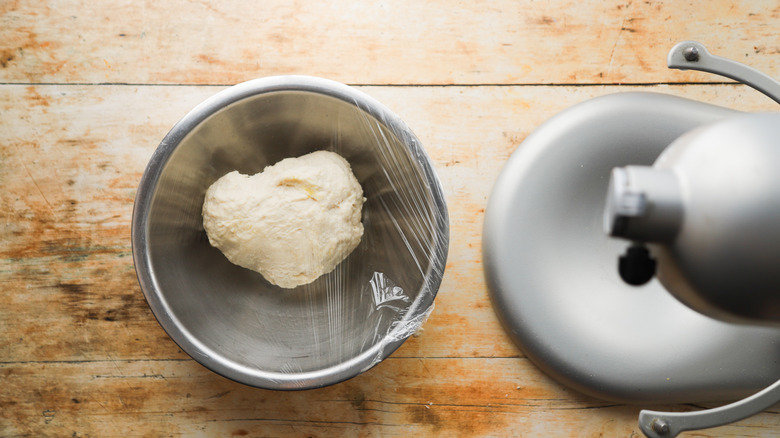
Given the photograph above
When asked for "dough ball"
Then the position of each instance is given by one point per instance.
(292, 222)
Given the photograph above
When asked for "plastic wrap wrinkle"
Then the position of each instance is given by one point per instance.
(386, 292)
(413, 206)
(400, 330)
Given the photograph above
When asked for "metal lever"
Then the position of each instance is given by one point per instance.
(691, 55)
(670, 424)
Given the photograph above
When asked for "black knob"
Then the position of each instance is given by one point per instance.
(636, 266)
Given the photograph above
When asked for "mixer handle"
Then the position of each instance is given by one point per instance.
(669, 424)
(691, 55)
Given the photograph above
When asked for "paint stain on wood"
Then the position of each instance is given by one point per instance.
(25, 51)
(423, 414)
(208, 59)
(545, 20)
(6, 56)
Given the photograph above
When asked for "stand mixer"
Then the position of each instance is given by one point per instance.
(632, 249)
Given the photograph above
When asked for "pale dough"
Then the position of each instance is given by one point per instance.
(293, 222)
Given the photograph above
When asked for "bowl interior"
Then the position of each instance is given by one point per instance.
(236, 314)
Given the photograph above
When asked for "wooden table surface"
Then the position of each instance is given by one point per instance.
(89, 88)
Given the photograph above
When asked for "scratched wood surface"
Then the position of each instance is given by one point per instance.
(88, 90)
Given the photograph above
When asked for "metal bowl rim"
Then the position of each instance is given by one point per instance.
(155, 297)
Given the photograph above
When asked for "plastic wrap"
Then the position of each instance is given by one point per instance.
(232, 320)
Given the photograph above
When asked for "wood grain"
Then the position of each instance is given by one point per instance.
(88, 90)
(400, 397)
(400, 42)
(82, 355)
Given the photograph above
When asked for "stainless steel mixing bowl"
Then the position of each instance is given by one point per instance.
(232, 320)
